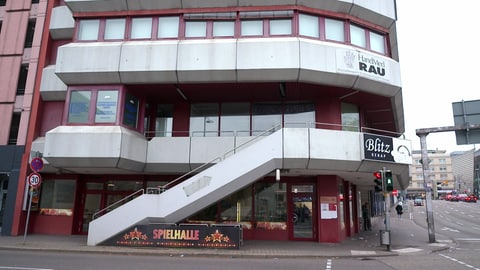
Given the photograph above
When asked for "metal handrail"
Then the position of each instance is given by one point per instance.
(96, 213)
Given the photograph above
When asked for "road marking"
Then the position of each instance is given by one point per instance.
(468, 239)
(329, 264)
(475, 227)
(459, 262)
(448, 229)
(362, 252)
(407, 250)
(24, 268)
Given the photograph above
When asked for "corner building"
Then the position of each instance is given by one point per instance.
(270, 114)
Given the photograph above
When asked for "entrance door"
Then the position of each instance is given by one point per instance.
(93, 202)
(303, 212)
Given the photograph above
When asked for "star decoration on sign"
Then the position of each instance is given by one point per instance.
(135, 235)
(217, 237)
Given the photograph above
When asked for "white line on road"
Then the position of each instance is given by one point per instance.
(329, 264)
(448, 229)
(23, 268)
(459, 262)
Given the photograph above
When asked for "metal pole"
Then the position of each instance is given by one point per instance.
(428, 190)
(28, 214)
(387, 205)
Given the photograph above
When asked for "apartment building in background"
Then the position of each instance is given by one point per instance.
(214, 112)
(21, 26)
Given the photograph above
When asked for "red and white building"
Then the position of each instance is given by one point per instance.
(270, 114)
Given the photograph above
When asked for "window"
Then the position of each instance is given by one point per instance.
(377, 43)
(265, 117)
(281, 27)
(22, 80)
(204, 119)
(168, 27)
(357, 36)
(235, 117)
(223, 28)
(79, 107)
(270, 202)
(334, 30)
(35, 1)
(14, 127)
(195, 29)
(130, 111)
(141, 28)
(88, 30)
(106, 109)
(252, 28)
(57, 197)
(350, 117)
(30, 33)
(164, 120)
(3, 3)
(299, 115)
(114, 29)
(309, 25)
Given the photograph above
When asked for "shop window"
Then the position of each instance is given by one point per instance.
(141, 28)
(168, 27)
(334, 30)
(88, 29)
(106, 106)
(350, 117)
(270, 203)
(79, 108)
(130, 111)
(114, 29)
(237, 207)
(57, 197)
(377, 42)
(309, 26)
(357, 36)
(252, 28)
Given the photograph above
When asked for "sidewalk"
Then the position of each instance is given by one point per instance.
(406, 238)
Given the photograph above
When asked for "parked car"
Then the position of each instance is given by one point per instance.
(418, 202)
(470, 198)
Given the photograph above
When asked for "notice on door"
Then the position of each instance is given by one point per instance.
(328, 207)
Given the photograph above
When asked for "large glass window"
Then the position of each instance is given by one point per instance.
(235, 117)
(357, 36)
(281, 27)
(79, 107)
(106, 109)
(252, 27)
(204, 119)
(299, 115)
(270, 202)
(141, 28)
(265, 116)
(114, 29)
(308, 26)
(168, 27)
(57, 197)
(237, 207)
(350, 117)
(334, 30)
(195, 29)
(88, 29)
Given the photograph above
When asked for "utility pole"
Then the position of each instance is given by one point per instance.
(422, 133)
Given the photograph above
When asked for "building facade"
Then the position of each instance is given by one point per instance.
(463, 171)
(21, 25)
(273, 116)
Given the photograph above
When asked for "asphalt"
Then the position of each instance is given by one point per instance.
(406, 237)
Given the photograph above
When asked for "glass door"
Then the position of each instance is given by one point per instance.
(302, 213)
(93, 202)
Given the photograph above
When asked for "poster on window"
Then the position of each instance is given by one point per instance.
(328, 207)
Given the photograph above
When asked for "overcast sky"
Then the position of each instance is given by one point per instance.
(439, 61)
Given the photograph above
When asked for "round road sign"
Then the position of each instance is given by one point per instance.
(36, 164)
(34, 179)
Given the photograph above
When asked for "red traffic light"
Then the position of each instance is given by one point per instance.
(377, 175)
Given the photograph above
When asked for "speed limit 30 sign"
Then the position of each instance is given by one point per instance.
(34, 179)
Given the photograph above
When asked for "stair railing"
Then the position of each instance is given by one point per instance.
(112, 206)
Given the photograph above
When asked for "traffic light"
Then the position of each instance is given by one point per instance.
(388, 181)
(378, 181)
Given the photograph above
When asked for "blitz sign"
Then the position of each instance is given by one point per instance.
(389, 149)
